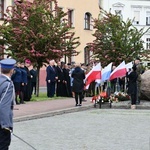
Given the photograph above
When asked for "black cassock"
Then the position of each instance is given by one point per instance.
(60, 82)
(67, 88)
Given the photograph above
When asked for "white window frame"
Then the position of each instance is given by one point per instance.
(148, 18)
(136, 14)
(148, 43)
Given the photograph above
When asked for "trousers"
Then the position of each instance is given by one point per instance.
(5, 139)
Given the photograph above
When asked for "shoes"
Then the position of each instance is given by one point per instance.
(78, 105)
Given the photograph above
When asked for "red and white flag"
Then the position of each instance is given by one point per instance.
(129, 65)
(119, 71)
(94, 74)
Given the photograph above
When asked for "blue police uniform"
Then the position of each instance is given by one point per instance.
(17, 79)
(7, 99)
(23, 85)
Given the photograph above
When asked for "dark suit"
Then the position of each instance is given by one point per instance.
(51, 76)
(132, 86)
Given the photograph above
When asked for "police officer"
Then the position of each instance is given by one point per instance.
(7, 100)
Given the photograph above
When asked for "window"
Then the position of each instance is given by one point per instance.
(87, 21)
(148, 18)
(86, 55)
(70, 17)
(119, 13)
(1, 9)
(147, 43)
(136, 17)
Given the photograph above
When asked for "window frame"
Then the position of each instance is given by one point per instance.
(136, 19)
(70, 18)
(148, 43)
(148, 18)
(87, 21)
(86, 55)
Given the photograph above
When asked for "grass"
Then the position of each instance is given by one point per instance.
(43, 97)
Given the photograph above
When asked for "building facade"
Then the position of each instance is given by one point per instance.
(80, 16)
(136, 10)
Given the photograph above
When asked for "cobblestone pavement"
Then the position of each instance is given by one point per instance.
(94, 129)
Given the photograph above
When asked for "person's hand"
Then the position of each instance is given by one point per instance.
(49, 81)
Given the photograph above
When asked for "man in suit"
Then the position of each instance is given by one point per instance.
(7, 100)
(51, 79)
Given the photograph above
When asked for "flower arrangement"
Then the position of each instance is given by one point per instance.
(119, 96)
(103, 96)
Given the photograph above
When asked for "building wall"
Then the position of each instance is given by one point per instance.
(128, 7)
(80, 8)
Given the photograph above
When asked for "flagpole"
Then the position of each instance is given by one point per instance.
(125, 85)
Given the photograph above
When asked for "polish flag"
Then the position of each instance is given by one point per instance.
(129, 65)
(106, 71)
(93, 75)
(119, 71)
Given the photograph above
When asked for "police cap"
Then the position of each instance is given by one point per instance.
(7, 63)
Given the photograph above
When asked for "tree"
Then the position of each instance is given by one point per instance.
(37, 31)
(115, 40)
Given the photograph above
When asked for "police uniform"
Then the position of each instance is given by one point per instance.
(7, 100)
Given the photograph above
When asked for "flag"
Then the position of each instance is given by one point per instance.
(94, 74)
(119, 71)
(106, 72)
(129, 65)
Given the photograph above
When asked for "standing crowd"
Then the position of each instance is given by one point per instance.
(65, 80)
(69, 81)
(24, 81)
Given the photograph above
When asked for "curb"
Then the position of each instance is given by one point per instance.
(53, 113)
(120, 105)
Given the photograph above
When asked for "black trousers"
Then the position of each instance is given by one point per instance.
(133, 99)
(78, 94)
(5, 139)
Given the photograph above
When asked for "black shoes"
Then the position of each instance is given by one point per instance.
(78, 105)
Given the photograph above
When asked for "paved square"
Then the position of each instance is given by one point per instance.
(96, 129)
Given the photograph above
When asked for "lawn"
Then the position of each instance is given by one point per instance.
(43, 97)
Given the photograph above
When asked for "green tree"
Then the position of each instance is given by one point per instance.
(115, 40)
(37, 31)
